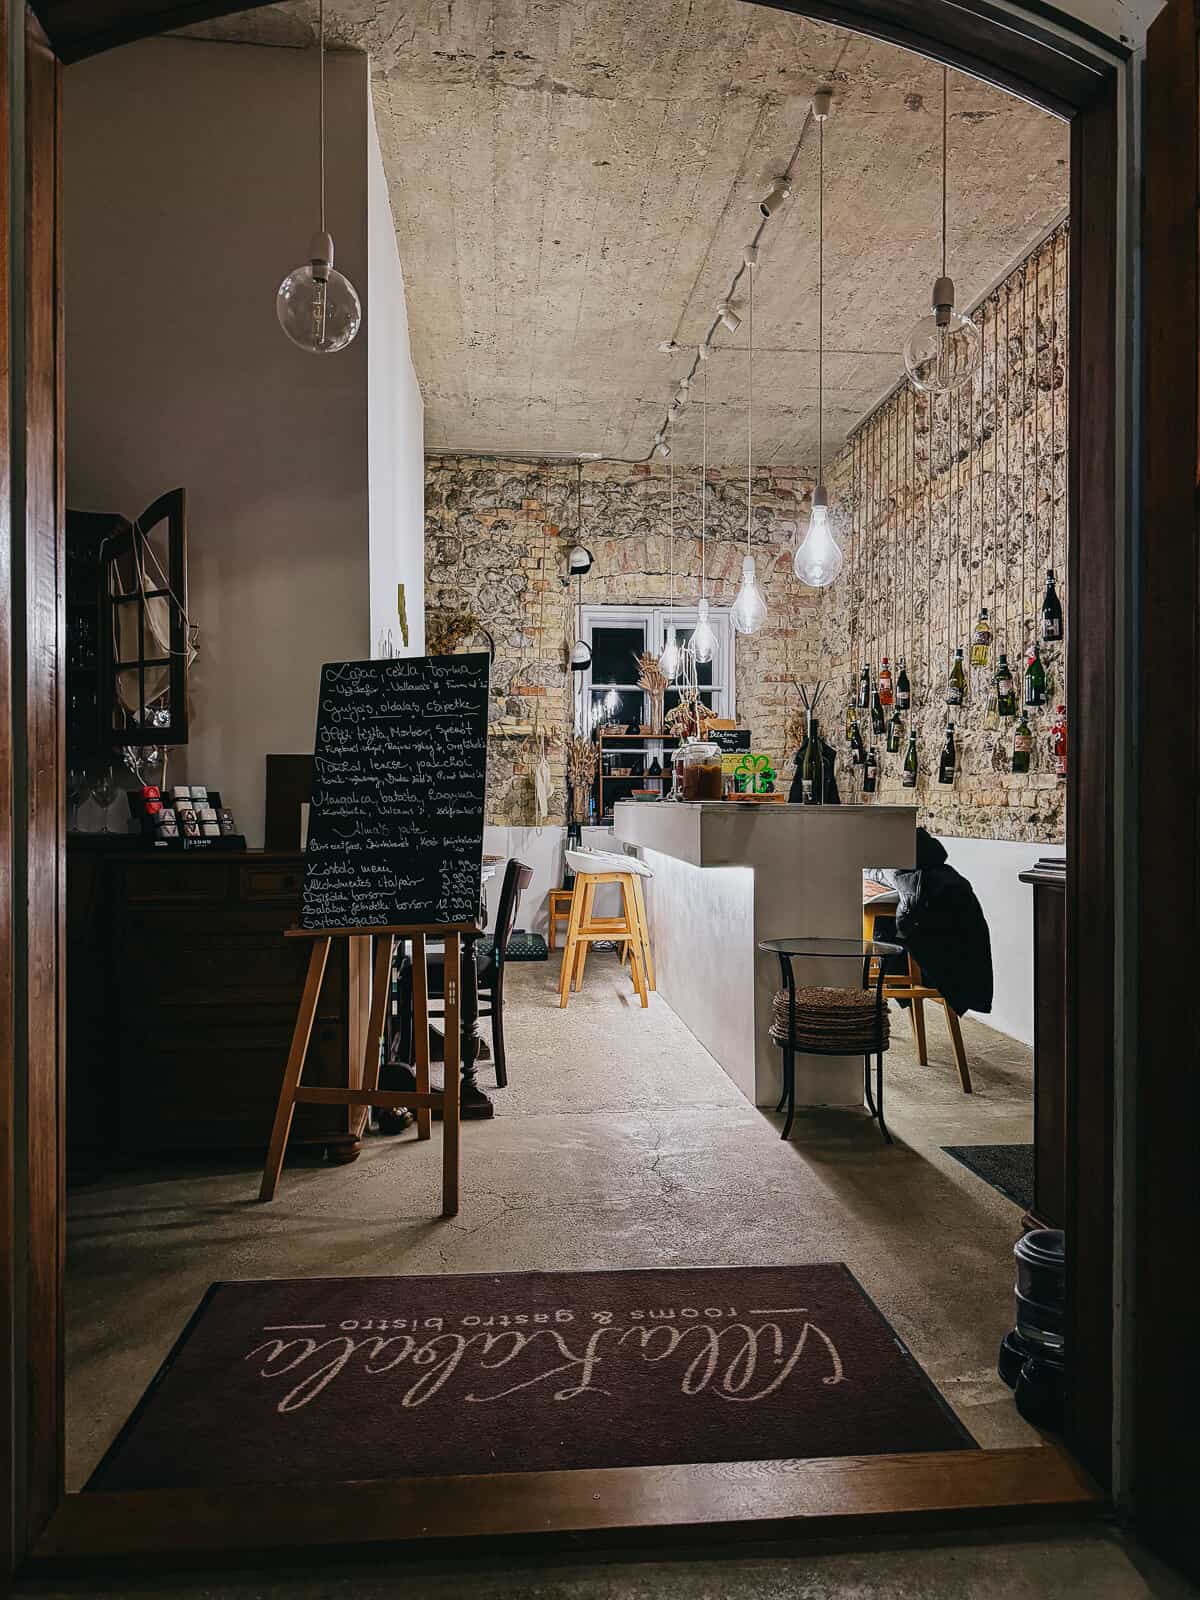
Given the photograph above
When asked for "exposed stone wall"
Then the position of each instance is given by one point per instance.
(497, 535)
(936, 524)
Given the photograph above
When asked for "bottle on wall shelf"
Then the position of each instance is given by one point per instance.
(1006, 690)
(886, 693)
(981, 640)
(1035, 679)
(864, 687)
(1052, 611)
(903, 688)
(858, 750)
(878, 725)
(956, 684)
(948, 758)
(895, 733)
(871, 772)
(1022, 745)
(811, 766)
(909, 774)
(1058, 742)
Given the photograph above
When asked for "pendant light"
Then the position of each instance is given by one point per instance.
(581, 650)
(704, 640)
(819, 558)
(669, 660)
(317, 307)
(749, 612)
(944, 349)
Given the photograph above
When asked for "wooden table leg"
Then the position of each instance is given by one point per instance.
(451, 1092)
(285, 1110)
(420, 1023)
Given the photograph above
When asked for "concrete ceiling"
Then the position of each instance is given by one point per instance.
(573, 184)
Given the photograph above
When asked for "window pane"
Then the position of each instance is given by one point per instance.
(615, 652)
(628, 707)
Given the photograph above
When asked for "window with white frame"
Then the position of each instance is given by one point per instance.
(619, 634)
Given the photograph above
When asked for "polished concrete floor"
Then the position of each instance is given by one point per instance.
(619, 1143)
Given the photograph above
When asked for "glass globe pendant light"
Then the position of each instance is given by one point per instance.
(317, 306)
(670, 658)
(704, 640)
(944, 349)
(819, 559)
(749, 612)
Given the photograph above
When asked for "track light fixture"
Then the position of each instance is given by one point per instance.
(662, 448)
(675, 407)
(729, 317)
(775, 196)
(704, 350)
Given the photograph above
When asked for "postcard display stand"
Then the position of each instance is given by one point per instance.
(395, 850)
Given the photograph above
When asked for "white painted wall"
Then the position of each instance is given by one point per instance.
(395, 430)
(992, 866)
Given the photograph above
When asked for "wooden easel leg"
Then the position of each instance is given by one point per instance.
(420, 1016)
(639, 900)
(451, 1107)
(380, 995)
(295, 1066)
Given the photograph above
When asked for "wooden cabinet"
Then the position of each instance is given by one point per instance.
(181, 996)
(1049, 1047)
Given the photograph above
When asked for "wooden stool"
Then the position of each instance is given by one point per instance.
(593, 868)
(916, 991)
(560, 911)
(366, 1091)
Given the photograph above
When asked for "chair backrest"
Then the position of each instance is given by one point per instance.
(517, 878)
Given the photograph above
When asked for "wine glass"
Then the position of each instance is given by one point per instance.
(77, 787)
(104, 792)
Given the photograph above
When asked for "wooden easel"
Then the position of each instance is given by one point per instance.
(422, 1101)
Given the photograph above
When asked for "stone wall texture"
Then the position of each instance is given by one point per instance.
(941, 508)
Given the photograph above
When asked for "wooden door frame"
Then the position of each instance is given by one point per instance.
(1048, 60)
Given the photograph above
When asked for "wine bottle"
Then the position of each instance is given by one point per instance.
(871, 773)
(1022, 745)
(1006, 692)
(909, 775)
(981, 640)
(858, 750)
(948, 759)
(886, 695)
(956, 684)
(811, 770)
(864, 687)
(903, 688)
(1052, 611)
(1058, 742)
(895, 733)
(877, 723)
(1035, 680)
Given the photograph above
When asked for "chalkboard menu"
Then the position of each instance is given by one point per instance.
(729, 740)
(395, 830)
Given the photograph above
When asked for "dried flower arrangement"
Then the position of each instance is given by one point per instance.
(580, 757)
(446, 630)
(653, 680)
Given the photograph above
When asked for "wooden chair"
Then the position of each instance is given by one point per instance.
(559, 911)
(490, 967)
(593, 868)
(911, 986)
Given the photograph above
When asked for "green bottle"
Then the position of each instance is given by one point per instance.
(956, 687)
(811, 773)
(1022, 745)
(1006, 692)
(895, 733)
(948, 760)
(1035, 680)
(903, 688)
(871, 773)
(909, 777)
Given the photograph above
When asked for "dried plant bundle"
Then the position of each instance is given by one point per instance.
(651, 676)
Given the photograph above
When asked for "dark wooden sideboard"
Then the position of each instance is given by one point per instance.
(1049, 1046)
(181, 998)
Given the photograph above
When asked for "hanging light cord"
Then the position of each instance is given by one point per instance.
(321, 102)
(671, 541)
(703, 477)
(821, 300)
(945, 125)
(749, 408)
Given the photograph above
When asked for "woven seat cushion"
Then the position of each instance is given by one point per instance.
(842, 1019)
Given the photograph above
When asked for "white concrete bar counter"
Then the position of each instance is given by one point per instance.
(728, 875)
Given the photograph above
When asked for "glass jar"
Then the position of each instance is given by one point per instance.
(698, 773)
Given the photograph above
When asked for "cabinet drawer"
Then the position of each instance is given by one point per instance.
(271, 883)
(183, 880)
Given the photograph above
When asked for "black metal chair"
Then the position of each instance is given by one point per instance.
(489, 969)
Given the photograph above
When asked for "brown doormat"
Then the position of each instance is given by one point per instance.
(292, 1380)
